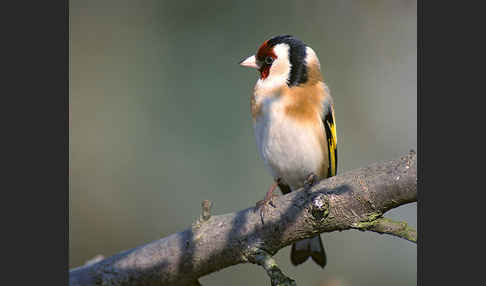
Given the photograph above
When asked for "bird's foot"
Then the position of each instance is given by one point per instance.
(262, 205)
(310, 181)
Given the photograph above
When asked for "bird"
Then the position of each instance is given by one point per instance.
(293, 120)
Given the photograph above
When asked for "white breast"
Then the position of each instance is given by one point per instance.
(290, 150)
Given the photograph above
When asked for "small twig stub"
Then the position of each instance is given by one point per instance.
(206, 209)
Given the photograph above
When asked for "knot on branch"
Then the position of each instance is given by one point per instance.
(320, 207)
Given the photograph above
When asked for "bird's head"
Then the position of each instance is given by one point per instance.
(284, 60)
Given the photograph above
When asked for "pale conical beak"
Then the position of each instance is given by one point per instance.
(249, 62)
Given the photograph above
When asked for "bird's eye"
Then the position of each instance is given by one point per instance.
(268, 60)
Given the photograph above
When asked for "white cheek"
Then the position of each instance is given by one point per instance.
(269, 84)
(281, 66)
(279, 72)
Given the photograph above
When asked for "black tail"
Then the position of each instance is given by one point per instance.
(301, 250)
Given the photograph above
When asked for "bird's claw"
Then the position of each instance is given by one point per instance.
(310, 181)
(268, 199)
(271, 203)
(262, 205)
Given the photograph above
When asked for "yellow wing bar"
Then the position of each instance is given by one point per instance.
(330, 127)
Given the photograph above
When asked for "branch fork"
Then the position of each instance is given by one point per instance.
(277, 278)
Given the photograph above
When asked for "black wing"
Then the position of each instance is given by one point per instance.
(284, 188)
(330, 126)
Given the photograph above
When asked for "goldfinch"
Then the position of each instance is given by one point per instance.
(293, 120)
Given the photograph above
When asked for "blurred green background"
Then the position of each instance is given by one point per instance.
(159, 121)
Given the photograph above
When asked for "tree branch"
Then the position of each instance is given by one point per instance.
(353, 200)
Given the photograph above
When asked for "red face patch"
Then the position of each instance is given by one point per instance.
(265, 51)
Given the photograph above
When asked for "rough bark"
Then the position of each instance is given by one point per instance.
(353, 200)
